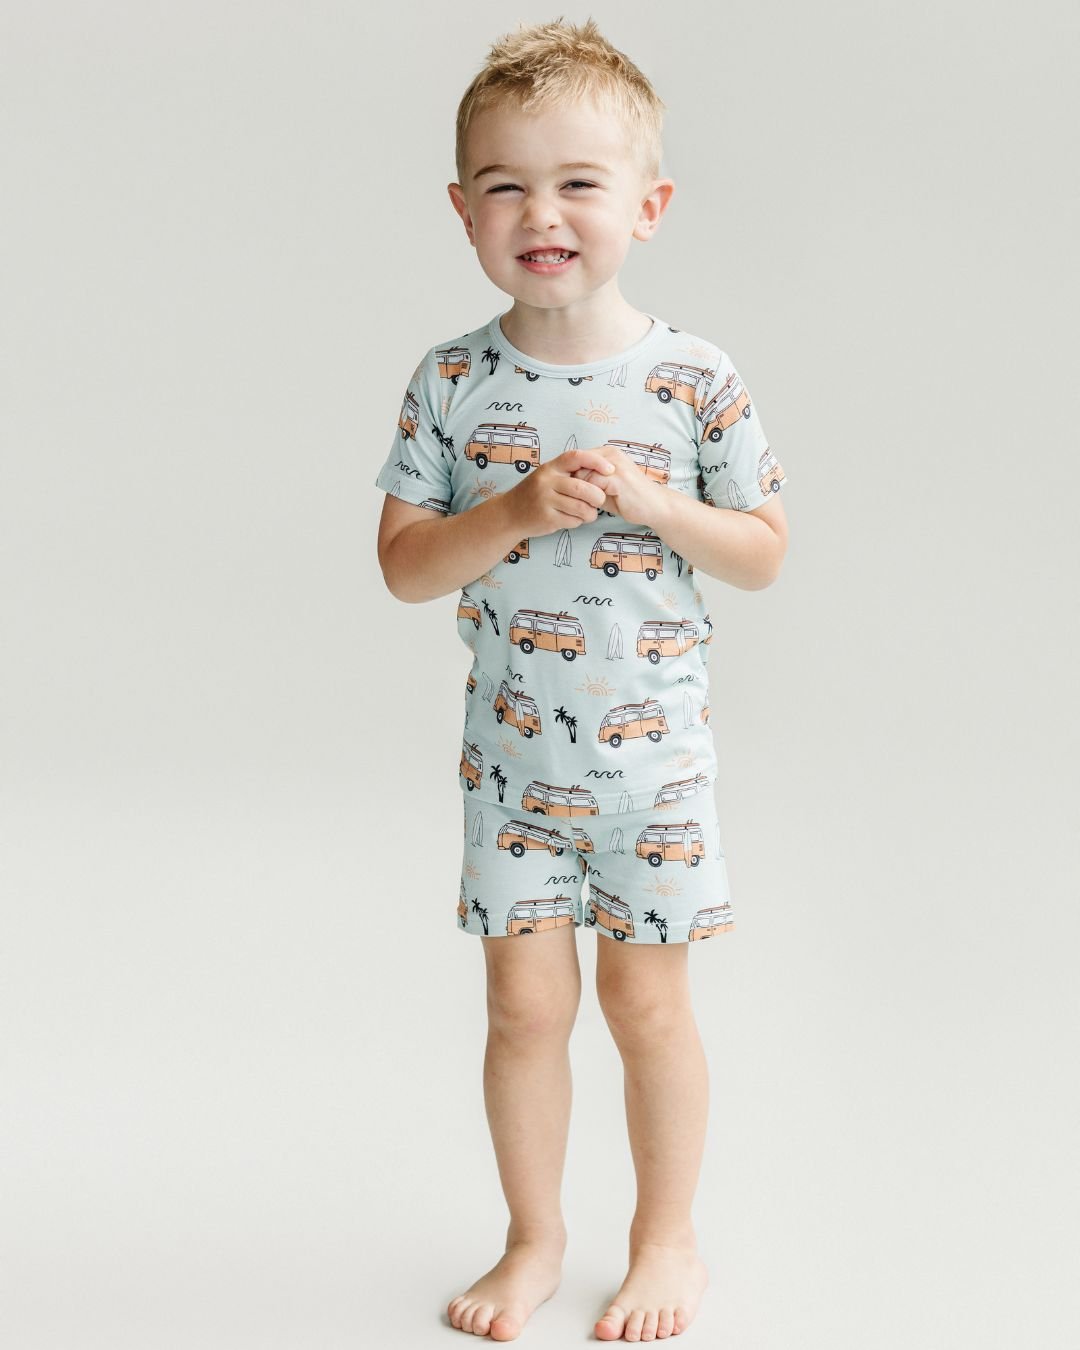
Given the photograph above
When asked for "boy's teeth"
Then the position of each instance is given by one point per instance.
(544, 257)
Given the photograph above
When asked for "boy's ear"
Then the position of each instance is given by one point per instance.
(457, 197)
(653, 206)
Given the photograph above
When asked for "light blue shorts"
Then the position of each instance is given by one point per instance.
(653, 875)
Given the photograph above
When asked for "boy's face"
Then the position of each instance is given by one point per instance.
(533, 203)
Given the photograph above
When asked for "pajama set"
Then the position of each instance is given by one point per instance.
(587, 761)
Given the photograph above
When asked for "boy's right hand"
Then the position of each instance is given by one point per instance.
(551, 498)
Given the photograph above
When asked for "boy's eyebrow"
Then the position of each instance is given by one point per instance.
(506, 168)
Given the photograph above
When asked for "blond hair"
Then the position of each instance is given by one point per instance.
(548, 64)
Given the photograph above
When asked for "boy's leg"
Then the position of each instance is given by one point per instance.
(644, 993)
(533, 992)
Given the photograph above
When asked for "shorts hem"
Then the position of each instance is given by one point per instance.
(671, 939)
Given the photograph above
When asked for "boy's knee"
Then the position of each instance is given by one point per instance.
(532, 1008)
(639, 1008)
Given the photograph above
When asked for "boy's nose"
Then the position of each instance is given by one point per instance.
(541, 214)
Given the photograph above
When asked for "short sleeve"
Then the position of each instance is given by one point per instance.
(416, 468)
(737, 467)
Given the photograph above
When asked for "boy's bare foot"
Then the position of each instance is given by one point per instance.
(659, 1296)
(501, 1301)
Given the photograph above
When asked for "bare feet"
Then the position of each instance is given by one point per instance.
(659, 1296)
(502, 1300)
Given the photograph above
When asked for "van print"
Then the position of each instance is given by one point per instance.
(670, 380)
(504, 443)
(470, 683)
(707, 922)
(633, 719)
(548, 800)
(472, 765)
(469, 609)
(671, 843)
(658, 638)
(653, 459)
(534, 375)
(409, 417)
(519, 551)
(723, 410)
(518, 709)
(434, 504)
(683, 787)
(609, 912)
(521, 835)
(538, 629)
(454, 362)
(536, 916)
(626, 552)
(769, 477)
(769, 473)
(582, 842)
(462, 907)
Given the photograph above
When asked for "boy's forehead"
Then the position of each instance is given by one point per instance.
(507, 139)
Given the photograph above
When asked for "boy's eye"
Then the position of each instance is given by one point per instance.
(513, 186)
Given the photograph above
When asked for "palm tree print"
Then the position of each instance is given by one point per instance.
(447, 442)
(477, 908)
(499, 778)
(491, 356)
(653, 917)
(491, 615)
(678, 561)
(569, 721)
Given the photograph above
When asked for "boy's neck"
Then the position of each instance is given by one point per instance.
(575, 335)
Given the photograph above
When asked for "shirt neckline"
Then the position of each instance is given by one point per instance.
(500, 340)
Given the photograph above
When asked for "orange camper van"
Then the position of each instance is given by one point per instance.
(609, 912)
(681, 842)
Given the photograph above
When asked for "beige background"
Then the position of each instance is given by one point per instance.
(242, 1037)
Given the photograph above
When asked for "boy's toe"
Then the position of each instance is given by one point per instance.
(504, 1327)
(610, 1326)
(480, 1322)
(634, 1323)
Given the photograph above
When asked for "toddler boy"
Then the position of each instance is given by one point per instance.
(561, 465)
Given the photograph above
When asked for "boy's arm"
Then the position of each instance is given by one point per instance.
(424, 556)
(743, 548)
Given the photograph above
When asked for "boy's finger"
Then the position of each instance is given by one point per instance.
(595, 495)
(593, 459)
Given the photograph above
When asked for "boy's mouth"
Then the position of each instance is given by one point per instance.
(547, 260)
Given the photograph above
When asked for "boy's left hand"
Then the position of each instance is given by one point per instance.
(630, 492)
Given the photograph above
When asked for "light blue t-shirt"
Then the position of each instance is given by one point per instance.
(588, 692)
